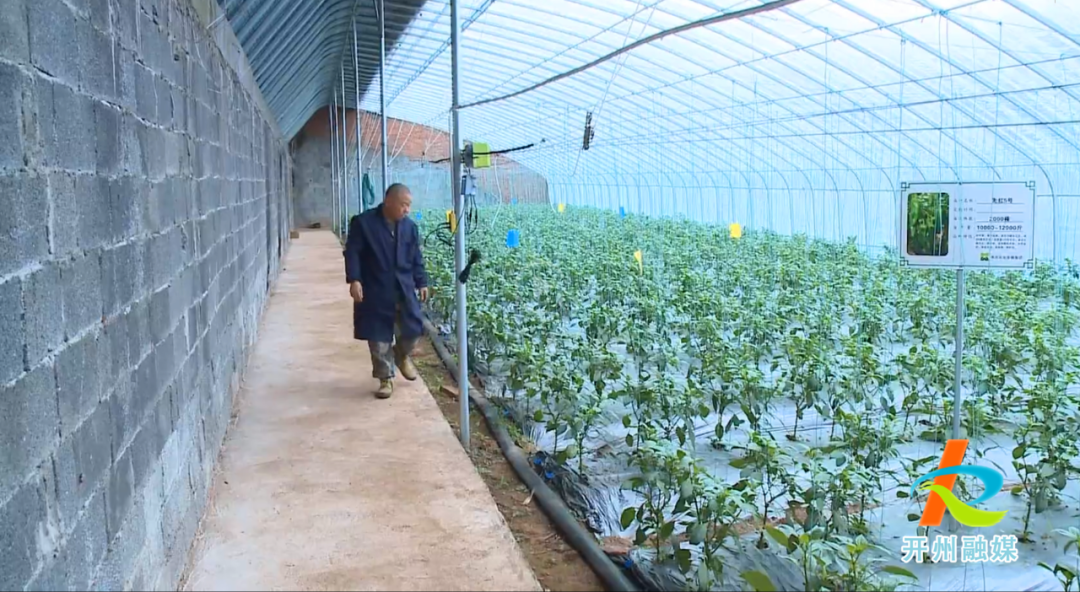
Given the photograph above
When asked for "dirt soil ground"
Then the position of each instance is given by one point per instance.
(556, 564)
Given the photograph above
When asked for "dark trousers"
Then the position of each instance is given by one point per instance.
(385, 355)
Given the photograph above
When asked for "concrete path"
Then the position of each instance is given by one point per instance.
(324, 487)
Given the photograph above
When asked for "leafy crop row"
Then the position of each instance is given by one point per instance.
(724, 332)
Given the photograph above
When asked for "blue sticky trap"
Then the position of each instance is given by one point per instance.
(622, 212)
(538, 461)
(549, 475)
(419, 216)
(513, 238)
(513, 201)
(628, 563)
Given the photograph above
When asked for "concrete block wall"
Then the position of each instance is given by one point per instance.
(144, 213)
(313, 192)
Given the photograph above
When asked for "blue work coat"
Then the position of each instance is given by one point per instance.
(386, 274)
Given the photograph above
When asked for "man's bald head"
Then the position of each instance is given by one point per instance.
(397, 203)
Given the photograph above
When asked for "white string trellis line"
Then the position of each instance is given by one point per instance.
(618, 66)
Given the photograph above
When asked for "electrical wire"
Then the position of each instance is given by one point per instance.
(726, 16)
(444, 232)
(490, 152)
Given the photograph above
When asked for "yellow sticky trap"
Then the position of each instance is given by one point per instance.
(562, 208)
(640, 261)
(451, 219)
(481, 155)
(735, 230)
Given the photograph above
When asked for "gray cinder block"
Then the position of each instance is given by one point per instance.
(81, 278)
(31, 425)
(43, 307)
(23, 228)
(53, 35)
(12, 336)
(27, 533)
(82, 462)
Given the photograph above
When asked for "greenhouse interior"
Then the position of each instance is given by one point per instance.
(735, 294)
(704, 306)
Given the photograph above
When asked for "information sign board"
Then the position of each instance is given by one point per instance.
(967, 225)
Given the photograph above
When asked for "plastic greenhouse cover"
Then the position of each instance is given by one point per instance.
(863, 57)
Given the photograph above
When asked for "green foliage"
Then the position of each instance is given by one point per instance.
(1068, 576)
(928, 224)
(728, 331)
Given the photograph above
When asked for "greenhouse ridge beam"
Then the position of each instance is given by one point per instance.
(643, 41)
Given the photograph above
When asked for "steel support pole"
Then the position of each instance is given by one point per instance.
(333, 164)
(459, 207)
(343, 213)
(958, 393)
(356, 91)
(382, 91)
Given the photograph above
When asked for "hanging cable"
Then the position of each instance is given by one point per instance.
(712, 20)
(444, 231)
(491, 152)
(590, 129)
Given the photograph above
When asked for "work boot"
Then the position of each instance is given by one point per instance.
(386, 388)
(408, 369)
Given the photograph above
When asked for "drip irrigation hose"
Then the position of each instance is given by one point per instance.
(550, 502)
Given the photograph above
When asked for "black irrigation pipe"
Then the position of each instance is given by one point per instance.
(550, 502)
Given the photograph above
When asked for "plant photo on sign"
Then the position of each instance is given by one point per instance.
(761, 405)
(928, 224)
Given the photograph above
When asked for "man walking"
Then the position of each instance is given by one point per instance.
(387, 281)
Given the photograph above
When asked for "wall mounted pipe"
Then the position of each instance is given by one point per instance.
(572, 531)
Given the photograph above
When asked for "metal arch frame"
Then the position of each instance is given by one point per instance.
(907, 79)
(791, 87)
(1037, 16)
(359, 131)
(296, 72)
(679, 56)
(244, 13)
(914, 166)
(763, 6)
(906, 38)
(798, 48)
(1036, 69)
(332, 111)
(498, 65)
(784, 63)
(579, 46)
(534, 26)
(1021, 6)
(260, 45)
(1032, 67)
(845, 161)
(809, 186)
(434, 22)
(442, 48)
(814, 53)
(676, 195)
(716, 105)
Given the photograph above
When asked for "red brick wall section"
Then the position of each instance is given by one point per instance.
(416, 142)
